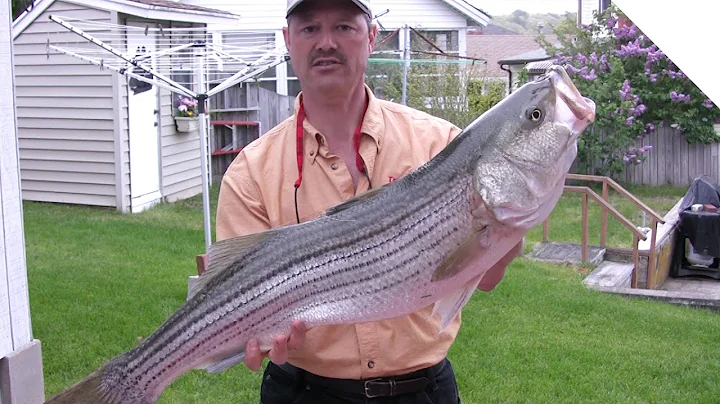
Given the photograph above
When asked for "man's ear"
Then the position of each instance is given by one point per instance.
(286, 36)
(371, 37)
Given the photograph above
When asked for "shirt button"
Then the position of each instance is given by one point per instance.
(334, 166)
(371, 364)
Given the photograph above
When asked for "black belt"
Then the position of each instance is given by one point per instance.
(414, 382)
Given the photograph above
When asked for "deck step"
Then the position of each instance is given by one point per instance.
(565, 253)
(610, 274)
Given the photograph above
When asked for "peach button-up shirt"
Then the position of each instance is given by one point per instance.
(257, 194)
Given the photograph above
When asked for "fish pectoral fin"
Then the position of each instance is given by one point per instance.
(449, 306)
(223, 253)
(355, 200)
(216, 366)
(461, 259)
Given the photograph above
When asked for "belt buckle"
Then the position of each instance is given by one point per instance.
(391, 382)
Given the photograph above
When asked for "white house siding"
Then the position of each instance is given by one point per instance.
(65, 116)
(180, 159)
(586, 11)
(419, 14)
(268, 15)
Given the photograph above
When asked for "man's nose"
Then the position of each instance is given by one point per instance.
(327, 40)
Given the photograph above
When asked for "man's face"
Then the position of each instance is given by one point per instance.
(329, 43)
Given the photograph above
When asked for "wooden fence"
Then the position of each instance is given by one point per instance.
(671, 161)
(240, 115)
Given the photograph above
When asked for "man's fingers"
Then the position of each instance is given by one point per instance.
(297, 335)
(279, 352)
(253, 359)
(496, 273)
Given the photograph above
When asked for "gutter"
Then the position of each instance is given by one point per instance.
(502, 66)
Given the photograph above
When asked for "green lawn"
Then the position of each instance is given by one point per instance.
(98, 280)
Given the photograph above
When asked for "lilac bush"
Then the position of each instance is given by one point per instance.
(636, 88)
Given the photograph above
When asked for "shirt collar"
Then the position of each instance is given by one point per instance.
(373, 126)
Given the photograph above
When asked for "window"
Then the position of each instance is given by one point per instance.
(293, 84)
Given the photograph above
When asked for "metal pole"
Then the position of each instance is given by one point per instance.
(113, 51)
(406, 63)
(203, 155)
(126, 72)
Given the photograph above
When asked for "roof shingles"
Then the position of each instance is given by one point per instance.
(181, 6)
(494, 48)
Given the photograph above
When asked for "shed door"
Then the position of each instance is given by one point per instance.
(144, 131)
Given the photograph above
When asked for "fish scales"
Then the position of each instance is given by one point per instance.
(383, 251)
(427, 238)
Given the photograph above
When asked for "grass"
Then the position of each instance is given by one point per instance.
(99, 279)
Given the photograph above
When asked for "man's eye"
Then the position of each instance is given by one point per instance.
(345, 28)
(309, 29)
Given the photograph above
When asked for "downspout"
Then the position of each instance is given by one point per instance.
(502, 66)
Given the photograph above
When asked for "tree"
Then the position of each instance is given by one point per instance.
(635, 86)
(18, 6)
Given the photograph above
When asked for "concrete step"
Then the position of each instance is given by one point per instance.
(610, 274)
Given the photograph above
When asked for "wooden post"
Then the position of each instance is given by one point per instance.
(636, 262)
(584, 227)
(21, 375)
(604, 218)
(653, 257)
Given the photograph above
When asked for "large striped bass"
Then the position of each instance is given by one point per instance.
(427, 238)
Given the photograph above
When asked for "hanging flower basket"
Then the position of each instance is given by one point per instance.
(186, 115)
(186, 124)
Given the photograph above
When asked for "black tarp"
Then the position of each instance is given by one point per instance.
(701, 228)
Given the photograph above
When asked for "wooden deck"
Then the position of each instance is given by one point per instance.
(565, 253)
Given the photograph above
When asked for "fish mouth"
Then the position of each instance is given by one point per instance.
(572, 109)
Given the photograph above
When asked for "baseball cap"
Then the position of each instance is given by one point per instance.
(363, 4)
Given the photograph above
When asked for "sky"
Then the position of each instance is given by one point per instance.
(504, 7)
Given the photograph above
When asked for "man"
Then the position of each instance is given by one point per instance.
(340, 142)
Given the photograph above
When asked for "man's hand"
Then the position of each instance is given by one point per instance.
(495, 274)
(278, 354)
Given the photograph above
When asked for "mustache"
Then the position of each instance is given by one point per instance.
(334, 54)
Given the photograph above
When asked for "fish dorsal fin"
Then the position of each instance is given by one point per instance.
(355, 200)
(223, 253)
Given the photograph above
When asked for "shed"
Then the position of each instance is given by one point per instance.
(84, 136)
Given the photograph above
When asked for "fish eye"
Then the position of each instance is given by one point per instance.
(534, 114)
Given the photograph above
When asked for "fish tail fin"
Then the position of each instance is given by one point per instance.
(87, 391)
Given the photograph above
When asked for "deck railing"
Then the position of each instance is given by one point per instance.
(604, 202)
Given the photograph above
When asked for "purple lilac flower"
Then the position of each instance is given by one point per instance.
(625, 33)
(630, 121)
(581, 59)
(611, 22)
(674, 96)
(639, 110)
(631, 49)
(625, 90)
(649, 127)
(708, 103)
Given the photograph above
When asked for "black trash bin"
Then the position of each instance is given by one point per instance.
(697, 247)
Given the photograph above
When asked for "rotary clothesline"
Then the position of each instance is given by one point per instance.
(224, 57)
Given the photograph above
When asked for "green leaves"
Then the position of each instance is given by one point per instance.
(635, 87)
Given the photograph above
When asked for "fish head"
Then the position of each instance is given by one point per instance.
(522, 174)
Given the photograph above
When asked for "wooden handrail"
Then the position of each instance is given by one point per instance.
(617, 187)
(619, 216)
(604, 202)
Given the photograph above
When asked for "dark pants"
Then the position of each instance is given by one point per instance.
(290, 385)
